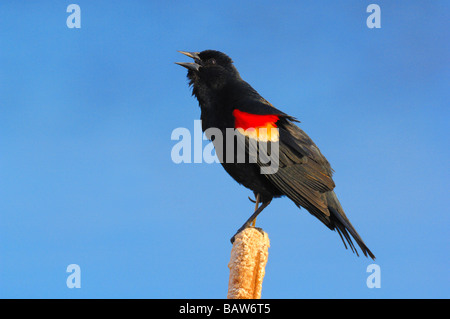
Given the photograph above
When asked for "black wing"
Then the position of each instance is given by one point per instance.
(305, 176)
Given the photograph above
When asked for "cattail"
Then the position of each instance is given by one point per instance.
(247, 264)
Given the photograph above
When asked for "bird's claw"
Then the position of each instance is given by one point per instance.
(252, 200)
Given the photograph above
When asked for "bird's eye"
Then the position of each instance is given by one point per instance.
(212, 61)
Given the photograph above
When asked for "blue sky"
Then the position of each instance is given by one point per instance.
(86, 175)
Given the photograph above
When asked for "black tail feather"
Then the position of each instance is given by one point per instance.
(344, 228)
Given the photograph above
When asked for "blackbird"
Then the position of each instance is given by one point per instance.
(302, 173)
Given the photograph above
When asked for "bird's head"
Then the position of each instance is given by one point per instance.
(211, 69)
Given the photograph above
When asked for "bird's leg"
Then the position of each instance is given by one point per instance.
(250, 220)
(256, 208)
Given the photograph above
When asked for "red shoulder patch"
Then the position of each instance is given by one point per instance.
(260, 127)
(246, 120)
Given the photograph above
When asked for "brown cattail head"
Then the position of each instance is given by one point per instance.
(247, 264)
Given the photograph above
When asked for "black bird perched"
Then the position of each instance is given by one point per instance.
(304, 174)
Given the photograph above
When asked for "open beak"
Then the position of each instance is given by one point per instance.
(194, 55)
(190, 66)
